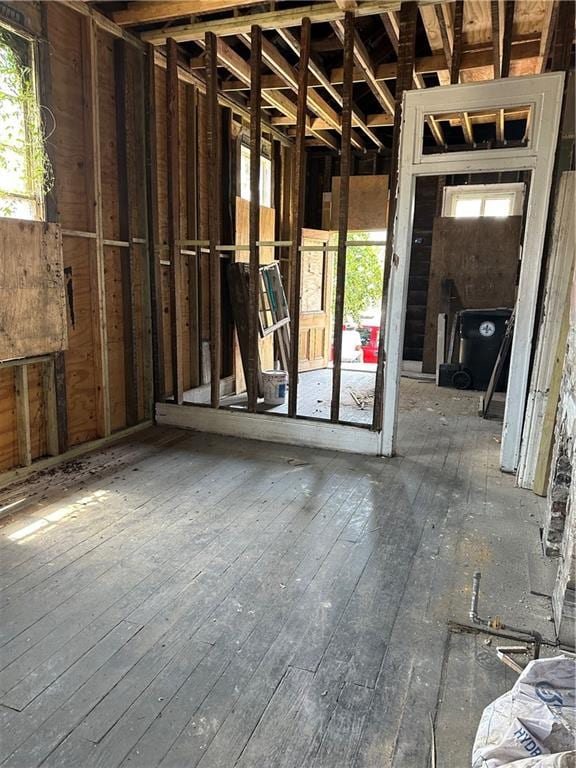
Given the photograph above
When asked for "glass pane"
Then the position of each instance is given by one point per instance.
(497, 206)
(245, 172)
(265, 182)
(18, 207)
(468, 207)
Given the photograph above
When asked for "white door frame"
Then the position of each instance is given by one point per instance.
(543, 93)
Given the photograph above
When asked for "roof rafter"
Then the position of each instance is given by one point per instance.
(147, 11)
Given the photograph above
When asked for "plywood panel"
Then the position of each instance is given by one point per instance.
(32, 309)
(68, 139)
(37, 410)
(8, 437)
(80, 376)
(108, 137)
(115, 324)
(368, 206)
(480, 256)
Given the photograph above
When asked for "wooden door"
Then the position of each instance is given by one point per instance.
(315, 302)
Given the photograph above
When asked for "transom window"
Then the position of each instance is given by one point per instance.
(24, 168)
(476, 200)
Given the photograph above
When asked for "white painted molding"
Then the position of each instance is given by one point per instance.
(270, 428)
(543, 93)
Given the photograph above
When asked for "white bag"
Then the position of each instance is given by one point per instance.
(537, 717)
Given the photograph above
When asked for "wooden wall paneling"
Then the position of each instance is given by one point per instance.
(254, 230)
(204, 178)
(113, 284)
(126, 199)
(214, 191)
(481, 278)
(297, 214)
(93, 169)
(174, 212)
(8, 434)
(32, 306)
(345, 161)
(23, 416)
(229, 173)
(192, 224)
(153, 184)
(56, 389)
(37, 410)
(50, 403)
(404, 80)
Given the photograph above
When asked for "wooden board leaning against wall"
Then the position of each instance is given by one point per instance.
(84, 106)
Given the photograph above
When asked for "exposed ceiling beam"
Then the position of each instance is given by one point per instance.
(507, 38)
(457, 42)
(548, 28)
(145, 12)
(437, 41)
(292, 17)
(278, 64)
(466, 124)
(317, 74)
(362, 59)
(496, 38)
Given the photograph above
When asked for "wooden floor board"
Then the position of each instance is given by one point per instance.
(188, 600)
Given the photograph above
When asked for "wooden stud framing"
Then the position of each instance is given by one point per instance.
(507, 38)
(211, 46)
(97, 272)
(298, 184)
(126, 190)
(59, 443)
(345, 163)
(152, 229)
(173, 163)
(192, 221)
(406, 48)
(548, 30)
(22, 415)
(562, 48)
(50, 408)
(253, 277)
(496, 38)
(458, 41)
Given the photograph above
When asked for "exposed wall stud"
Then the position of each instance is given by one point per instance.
(345, 160)
(297, 215)
(255, 149)
(211, 45)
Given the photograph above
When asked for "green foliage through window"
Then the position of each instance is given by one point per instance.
(25, 171)
(364, 273)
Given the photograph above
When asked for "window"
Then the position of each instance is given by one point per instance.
(24, 168)
(475, 200)
(265, 177)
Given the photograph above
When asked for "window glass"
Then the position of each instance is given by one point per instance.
(265, 177)
(24, 170)
(468, 207)
(497, 206)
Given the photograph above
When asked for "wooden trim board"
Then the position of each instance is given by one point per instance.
(270, 428)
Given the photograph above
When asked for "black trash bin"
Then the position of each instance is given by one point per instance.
(481, 334)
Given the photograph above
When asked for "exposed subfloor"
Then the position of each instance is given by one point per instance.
(193, 600)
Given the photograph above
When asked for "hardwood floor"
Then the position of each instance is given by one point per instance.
(190, 600)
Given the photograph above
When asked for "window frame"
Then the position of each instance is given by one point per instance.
(37, 198)
(514, 191)
(264, 155)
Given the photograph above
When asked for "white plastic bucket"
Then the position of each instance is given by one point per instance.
(274, 387)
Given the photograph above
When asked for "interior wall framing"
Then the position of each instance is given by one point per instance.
(87, 201)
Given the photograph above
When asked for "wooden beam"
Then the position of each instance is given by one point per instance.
(362, 58)
(153, 230)
(173, 163)
(22, 415)
(458, 42)
(500, 119)
(126, 196)
(390, 24)
(297, 217)
(50, 408)
(57, 382)
(507, 38)
(254, 234)
(147, 12)
(496, 39)
(214, 196)
(274, 59)
(94, 186)
(466, 124)
(276, 19)
(548, 30)
(406, 50)
(440, 18)
(345, 166)
(562, 49)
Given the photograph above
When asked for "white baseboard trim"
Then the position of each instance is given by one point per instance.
(274, 429)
